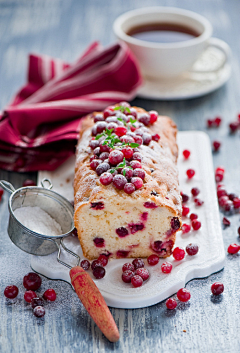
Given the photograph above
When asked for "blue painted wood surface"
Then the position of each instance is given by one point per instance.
(205, 324)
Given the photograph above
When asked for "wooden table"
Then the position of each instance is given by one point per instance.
(205, 324)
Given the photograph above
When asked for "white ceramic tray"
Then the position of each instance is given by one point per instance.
(209, 259)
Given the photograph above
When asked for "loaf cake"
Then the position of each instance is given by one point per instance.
(126, 193)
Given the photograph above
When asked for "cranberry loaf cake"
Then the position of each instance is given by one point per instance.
(126, 194)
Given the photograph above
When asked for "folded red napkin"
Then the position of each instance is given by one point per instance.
(39, 129)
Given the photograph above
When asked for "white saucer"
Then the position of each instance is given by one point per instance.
(191, 84)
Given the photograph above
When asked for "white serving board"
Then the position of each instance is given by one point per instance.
(209, 259)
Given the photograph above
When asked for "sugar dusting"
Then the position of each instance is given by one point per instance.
(39, 221)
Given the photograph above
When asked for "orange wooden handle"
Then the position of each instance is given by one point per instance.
(94, 303)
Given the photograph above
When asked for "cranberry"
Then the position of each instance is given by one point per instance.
(127, 172)
(137, 182)
(29, 295)
(127, 139)
(236, 203)
(112, 125)
(232, 196)
(233, 248)
(138, 172)
(11, 292)
(102, 168)
(103, 156)
(175, 223)
(128, 266)
(137, 156)
(138, 139)
(190, 173)
(186, 154)
(32, 281)
(217, 121)
(219, 176)
(138, 263)
(95, 163)
(198, 202)
(37, 302)
(122, 232)
(210, 123)
(99, 272)
(103, 259)
(195, 191)
(120, 130)
(226, 222)
(85, 264)
(95, 263)
(99, 242)
(216, 145)
(153, 260)
(144, 216)
(122, 253)
(221, 192)
(223, 200)
(150, 204)
(39, 311)
(196, 224)
(119, 181)
(166, 267)
(108, 112)
(171, 304)
(127, 152)
(50, 294)
(98, 117)
(186, 228)
(185, 197)
(137, 281)
(97, 206)
(193, 216)
(233, 126)
(155, 137)
(104, 148)
(147, 138)
(129, 188)
(94, 144)
(185, 210)
(28, 182)
(133, 112)
(228, 206)
(135, 164)
(106, 178)
(145, 119)
(116, 157)
(183, 295)
(178, 253)
(192, 249)
(142, 272)
(217, 288)
(127, 276)
(153, 116)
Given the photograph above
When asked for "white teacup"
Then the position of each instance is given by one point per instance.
(167, 60)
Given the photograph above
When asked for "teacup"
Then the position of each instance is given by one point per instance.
(171, 59)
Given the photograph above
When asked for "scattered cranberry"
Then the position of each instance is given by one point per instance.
(119, 181)
(32, 281)
(228, 206)
(221, 192)
(11, 292)
(37, 302)
(232, 196)
(186, 154)
(137, 281)
(183, 295)
(137, 182)
(99, 272)
(153, 116)
(236, 203)
(28, 182)
(233, 248)
(210, 123)
(185, 197)
(193, 216)
(142, 272)
(103, 259)
(128, 266)
(198, 202)
(226, 222)
(195, 191)
(223, 200)
(153, 260)
(96, 263)
(178, 253)
(50, 295)
(217, 288)
(185, 211)
(147, 138)
(39, 311)
(196, 224)
(106, 178)
(217, 121)
(127, 275)
(138, 263)
(190, 173)
(29, 295)
(171, 304)
(166, 267)
(233, 126)
(192, 249)
(216, 145)
(85, 264)
(155, 137)
(186, 228)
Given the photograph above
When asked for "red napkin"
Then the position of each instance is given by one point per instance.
(39, 129)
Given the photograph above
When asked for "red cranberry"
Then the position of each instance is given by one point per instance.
(198, 202)
(98, 117)
(127, 152)
(99, 242)
(85, 264)
(190, 173)
(99, 272)
(116, 157)
(138, 263)
(150, 204)
(185, 210)
(210, 123)
(145, 119)
(97, 206)
(28, 182)
(95, 263)
(11, 292)
(183, 295)
(32, 281)
(29, 295)
(192, 249)
(153, 116)
(106, 178)
(120, 130)
(196, 224)
(37, 302)
(102, 168)
(147, 138)
(219, 176)
(94, 130)
(137, 156)
(101, 126)
(127, 139)
(104, 148)
(112, 125)
(171, 304)
(137, 281)
(193, 216)
(175, 223)
(128, 266)
(94, 144)
(233, 248)
(232, 196)
(217, 288)
(153, 260)
(132, 112)
(195, 191)
(223, 200)
(103, 156)
(135, 164)
(138, 139)
(50, 294)
(108, 112)
(119, 181)
(216, 145)
(226, 222)
(233, 126)
(166, 267)
(127, 276)
(39, 311)
(129, 188)
(178, 253)
(221, 192)
(138, 172)
(155, 137)
(137, 182)
(185, 197)
(134, 228)
(127, 172)
(103, 259)
(142, 272)
(236, 203)
(186, 228)
(217, 121)
(186, 154)
(122, 232)
(95, 163)
(228, 206)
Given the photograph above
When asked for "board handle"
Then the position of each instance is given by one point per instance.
(94, 303)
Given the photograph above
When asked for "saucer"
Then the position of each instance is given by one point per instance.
(191, 84)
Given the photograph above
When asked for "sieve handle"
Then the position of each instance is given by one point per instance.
(94, 302)
(7, 186)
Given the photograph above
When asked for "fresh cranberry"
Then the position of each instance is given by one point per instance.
(233, 126)
(186, 228)
(217, 121)
(142, 272)
(150, 204)
(138, 139)
(127, 152)
(102, 168)
(236, 203)
(111, 126)
(122, 232)
(127, 276)
(216, 145)
(94, 144)
(219, 176)
(233, 248)
(232, 196)
(28, 182)
(137, 182)
(166, 267)
(171, 304)
(198, 202)
(103, 156)
(137, 281)
(99, 242)
(138, 263)
(196, 224)
(98, 117)
(39, 311)
(95, 163)
(153, 260)
(129, 188)
(97, 206)
(153, 116)
(97, 151)
(147, 138)
(135, 164)
(210, 123)
(32, 281)
(127, 172)
(145, 119)
(183, 295)
(185, 210)
(108, 112)
(221, 192)
(223, 200)
(226, 222)
(122, 253)
(175, 223)
(217, 288)
(185, 197)
(11, 292)
(116, 157)
(193, 216)
(132, 112)
(106, 178)
(186, 154)
(119, 181)
(50, 294)
(37, 302)
(192, 249)
(228, 206)
(120, 130)
(99, 272)
(128, 266)
(155, 137)
(190, 173)
(101, 126)
(195, 191)
(138, 172)
(137, 157)
(95, 263)
(178, 253)
(29, 295)
(104, 148)
(85, 264)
